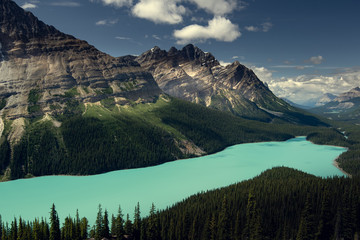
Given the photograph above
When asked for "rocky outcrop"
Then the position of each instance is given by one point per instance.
(35, 56)
(197, 76)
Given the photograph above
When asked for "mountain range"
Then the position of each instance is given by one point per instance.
(345, 107)
(197, 76)
(68, 108)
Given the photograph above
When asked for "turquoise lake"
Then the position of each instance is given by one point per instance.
(162, 185)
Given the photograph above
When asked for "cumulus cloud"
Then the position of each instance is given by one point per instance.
(26, 6)
(216, 7)
(301, 88)
(315, 60)
(264, 27)
(219, 28)
(118, 3)
(159, 11)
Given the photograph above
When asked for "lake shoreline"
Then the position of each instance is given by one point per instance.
(336, 164)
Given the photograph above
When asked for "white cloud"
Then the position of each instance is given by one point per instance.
(118, 3)
(265, 27)
(106, 22)
(223, 63)
(65, 4)
(315, 60)
(219, 28)
(26, 6)
(216, 7)
(101, 22)
(252, 29)
(300, 67)
(156, 37)
(159, 11)
(262, 73)
(123, 38)
(304, 87)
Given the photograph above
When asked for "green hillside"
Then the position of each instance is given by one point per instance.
(96, 138)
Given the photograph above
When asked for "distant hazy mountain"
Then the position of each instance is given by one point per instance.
(319, 101)
(295, 104)
(345, 107)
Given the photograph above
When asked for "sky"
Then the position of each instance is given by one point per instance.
(301, 48)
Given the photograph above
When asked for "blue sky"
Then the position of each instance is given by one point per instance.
(302, 49)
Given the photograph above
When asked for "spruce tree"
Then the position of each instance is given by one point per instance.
(306, 227)
(54, 225)
(153, 232)
(119, 232)
(128, 228)
(84, 226)
(224, 222)
(325, 228)
(253, 229)
(105, 227)
(137, 222)
(98, 224)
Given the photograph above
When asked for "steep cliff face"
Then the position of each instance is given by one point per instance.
(197, 76)
(35, 56)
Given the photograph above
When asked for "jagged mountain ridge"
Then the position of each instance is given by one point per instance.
(345, 107)
(37, 56)
(197, 76)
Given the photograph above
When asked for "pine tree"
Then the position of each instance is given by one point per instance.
(306, 227)
(128, 228)
(223, 222)
(21, 233)
(253, 228)
(54, 225)
(325, 228)
(99, 224)
(119, 232)
(137, 222)
(213, 227)
(153, 232)
(105, 228)
(84, 226)
(113, 225)
(13, 230)
(4, 233)
(77, 223)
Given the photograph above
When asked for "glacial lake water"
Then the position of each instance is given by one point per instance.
(162, 185)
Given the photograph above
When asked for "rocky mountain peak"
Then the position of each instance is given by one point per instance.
(37, 59)
(195, 75)
(16, 24)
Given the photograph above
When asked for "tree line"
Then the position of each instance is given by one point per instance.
(281, 203)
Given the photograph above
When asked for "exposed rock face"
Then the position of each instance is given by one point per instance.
(37, 56)
(197, 76)
(348, 96)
